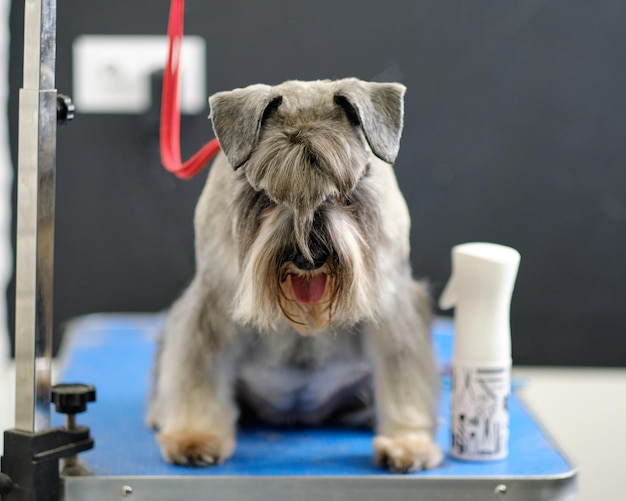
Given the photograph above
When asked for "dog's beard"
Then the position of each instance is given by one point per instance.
(340, 293)
(307, 184)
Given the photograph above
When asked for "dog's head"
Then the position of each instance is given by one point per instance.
(307, 213)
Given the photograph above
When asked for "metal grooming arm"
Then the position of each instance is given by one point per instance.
(30, 465)
(35, 218)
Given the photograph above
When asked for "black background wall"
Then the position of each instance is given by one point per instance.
(514, 133)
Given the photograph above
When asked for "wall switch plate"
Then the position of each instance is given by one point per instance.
(111, 73)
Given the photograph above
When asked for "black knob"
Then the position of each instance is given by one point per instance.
(72, 398)
(65, 109)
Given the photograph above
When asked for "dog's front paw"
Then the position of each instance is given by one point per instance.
(408, 452)
(194, 448)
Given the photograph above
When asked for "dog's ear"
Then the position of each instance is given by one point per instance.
(237, 116)
(379, 109)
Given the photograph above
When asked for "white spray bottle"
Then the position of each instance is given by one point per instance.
(480, 289)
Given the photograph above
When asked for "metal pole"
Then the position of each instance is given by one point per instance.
(35, 217)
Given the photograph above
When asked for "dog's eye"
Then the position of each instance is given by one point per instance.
(349, 110)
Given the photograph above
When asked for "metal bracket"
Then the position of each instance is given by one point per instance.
(30, 464)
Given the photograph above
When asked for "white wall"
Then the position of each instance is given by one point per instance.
(6, 174)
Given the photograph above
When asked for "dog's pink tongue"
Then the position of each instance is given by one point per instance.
(309, 290)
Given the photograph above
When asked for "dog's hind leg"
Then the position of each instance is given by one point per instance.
(405, 382)
(193, 404)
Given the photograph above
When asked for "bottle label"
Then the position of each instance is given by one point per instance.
(480, 412)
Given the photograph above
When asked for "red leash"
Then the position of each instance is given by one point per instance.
(170, 106)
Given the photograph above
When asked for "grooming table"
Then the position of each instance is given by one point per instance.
(116, 352)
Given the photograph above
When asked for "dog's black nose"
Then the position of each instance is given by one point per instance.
(320, 256)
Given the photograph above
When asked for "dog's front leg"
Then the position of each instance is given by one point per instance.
(192, 404)
(406, 383)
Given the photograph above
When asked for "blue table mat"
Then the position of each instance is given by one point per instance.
(116, 352)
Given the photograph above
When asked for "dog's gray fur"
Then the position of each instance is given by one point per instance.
(304, 192)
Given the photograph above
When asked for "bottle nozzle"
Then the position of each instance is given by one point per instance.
(480, 288)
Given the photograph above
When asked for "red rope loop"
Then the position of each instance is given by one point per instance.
(170, 106)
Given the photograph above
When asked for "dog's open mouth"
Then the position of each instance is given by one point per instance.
(309, 289)
(306, 299)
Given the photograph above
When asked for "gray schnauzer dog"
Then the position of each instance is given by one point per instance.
(303, 309)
